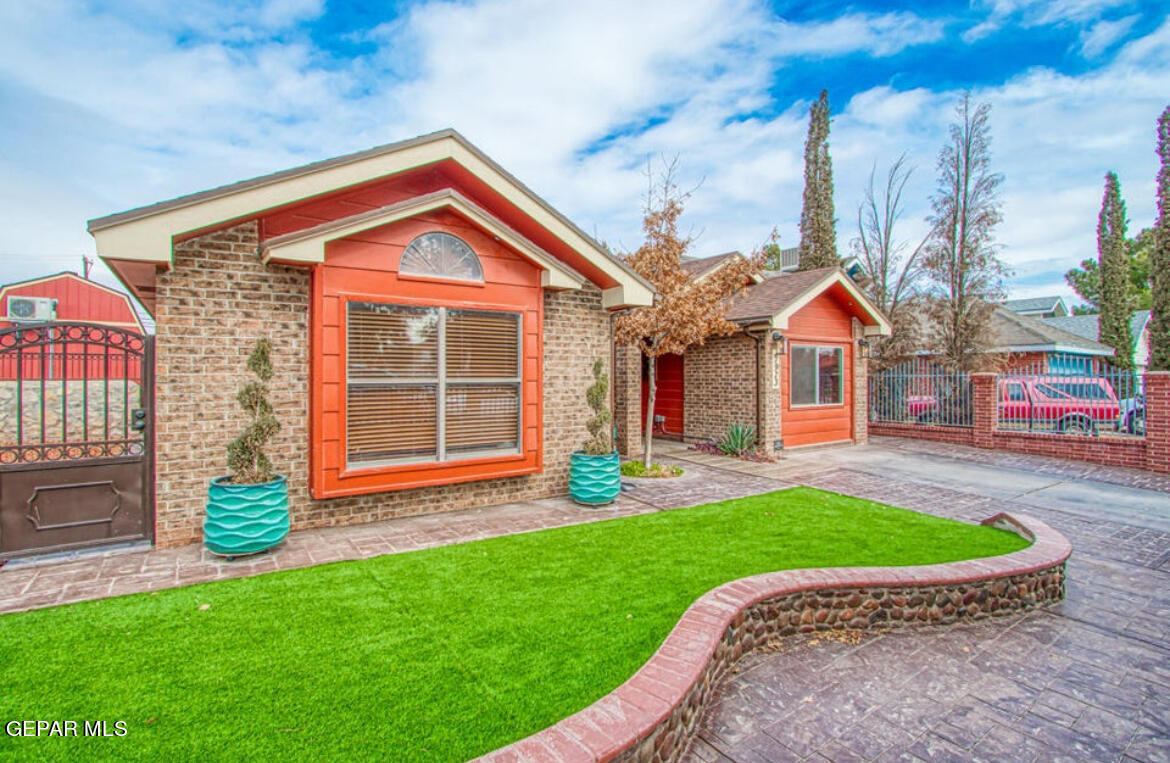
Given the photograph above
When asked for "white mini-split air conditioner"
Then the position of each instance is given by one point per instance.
(31, 309)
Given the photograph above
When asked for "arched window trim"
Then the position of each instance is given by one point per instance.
(448, 263)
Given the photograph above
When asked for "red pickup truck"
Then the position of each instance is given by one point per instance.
(1072, 404)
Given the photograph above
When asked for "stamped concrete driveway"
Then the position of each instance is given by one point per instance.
(1088, 679)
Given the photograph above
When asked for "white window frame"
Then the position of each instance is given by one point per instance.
(440, 381)
(816, 376)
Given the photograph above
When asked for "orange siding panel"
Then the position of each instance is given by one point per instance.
(823, 322)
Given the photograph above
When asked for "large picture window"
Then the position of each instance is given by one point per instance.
(430, 384)
(816, 376)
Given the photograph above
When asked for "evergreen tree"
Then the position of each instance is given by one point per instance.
(1113, 266)
(1160, 257)
(818, 236)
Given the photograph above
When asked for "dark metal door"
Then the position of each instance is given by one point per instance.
(76, 440)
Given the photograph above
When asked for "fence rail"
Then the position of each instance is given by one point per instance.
(919, 393)
(1094, 399)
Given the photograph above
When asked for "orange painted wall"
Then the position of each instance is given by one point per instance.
(364, 268)
(826, 322)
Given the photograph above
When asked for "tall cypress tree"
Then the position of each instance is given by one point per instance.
(1113, 323)
(1160, 257)
(818, 235)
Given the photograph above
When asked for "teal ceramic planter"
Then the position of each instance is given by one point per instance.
(245, 519)
(595, 480)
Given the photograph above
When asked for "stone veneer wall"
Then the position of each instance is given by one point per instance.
(720, 378)
(653, 716)
(213, 304)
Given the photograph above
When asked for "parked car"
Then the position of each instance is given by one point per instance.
(1068, 404)
(1132, 418)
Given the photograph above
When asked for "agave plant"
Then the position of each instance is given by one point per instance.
(738, 440)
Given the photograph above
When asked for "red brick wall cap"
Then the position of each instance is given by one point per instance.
(621, 719)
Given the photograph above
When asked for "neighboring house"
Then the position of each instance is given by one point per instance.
(71, 298)
(433, 323)
(1085, 326)
(65, 297)
(1023, 342)
(1032, 343)
(1039, 307)
(795, 370)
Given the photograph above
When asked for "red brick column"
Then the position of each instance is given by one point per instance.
(983, 409)
(1158, 421)
(627, 397)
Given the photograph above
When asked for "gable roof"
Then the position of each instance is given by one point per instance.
(700, 266)
(1023, 333)
(1036, 304)
(146, 234)
(1085, 326)
(775, 299)
(69, 274)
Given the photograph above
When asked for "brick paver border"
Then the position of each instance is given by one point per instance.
(653, 715)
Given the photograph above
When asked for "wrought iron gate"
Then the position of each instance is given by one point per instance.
(76, 441)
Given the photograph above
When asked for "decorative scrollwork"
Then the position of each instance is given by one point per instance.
(36, 335)
(69, 451)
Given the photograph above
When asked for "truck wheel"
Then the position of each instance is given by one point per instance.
(1077, 425)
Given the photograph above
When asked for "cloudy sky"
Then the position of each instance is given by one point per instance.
(111, 104)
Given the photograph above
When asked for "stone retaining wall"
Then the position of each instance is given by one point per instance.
(652, 716)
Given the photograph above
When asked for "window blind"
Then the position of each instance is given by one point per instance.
(431, 384)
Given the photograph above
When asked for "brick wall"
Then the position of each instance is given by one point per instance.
(218, 298)
(1151, 452)
(860, 387)
(627, 404)
(654, 715)
(720, 386)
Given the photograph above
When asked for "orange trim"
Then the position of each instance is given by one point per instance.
(347, 276)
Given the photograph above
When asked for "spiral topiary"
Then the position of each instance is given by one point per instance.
(245, 454)
(600, 442)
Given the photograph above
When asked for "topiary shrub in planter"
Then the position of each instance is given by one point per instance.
(247, 511)
(595, 476)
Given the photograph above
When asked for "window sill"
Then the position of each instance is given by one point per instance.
(386, 479)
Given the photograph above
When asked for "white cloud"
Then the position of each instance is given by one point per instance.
(104, 112)
(1098, 38)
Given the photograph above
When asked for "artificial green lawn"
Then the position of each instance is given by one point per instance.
(437, 654)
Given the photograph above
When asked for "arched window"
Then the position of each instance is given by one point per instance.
(440, 255)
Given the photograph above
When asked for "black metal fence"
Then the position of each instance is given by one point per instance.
(1070, 394)
(920, 392)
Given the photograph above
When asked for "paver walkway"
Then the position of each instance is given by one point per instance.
(1088, 679)
(63, 579)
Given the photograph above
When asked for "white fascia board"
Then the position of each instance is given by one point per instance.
(882, 327)
(148, 238)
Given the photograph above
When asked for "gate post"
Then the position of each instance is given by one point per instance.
(984, 410)
(1158, 421)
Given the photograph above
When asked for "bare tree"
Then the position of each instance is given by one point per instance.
(894, 268)
(961, 258)
(687, 311)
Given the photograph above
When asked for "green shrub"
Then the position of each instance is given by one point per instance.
(600, 442)
(638, 469)
(245, 454)
(738, 440)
